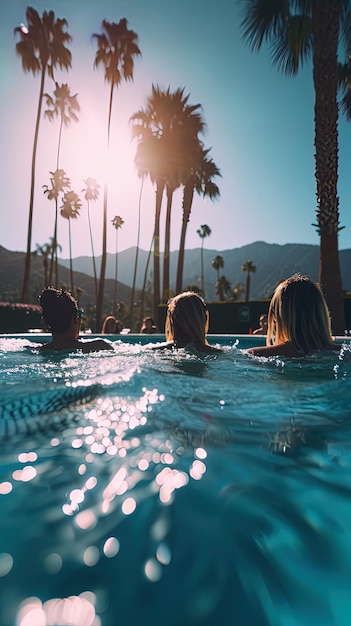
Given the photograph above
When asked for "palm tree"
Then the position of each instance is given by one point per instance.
(295, 30)
(217, 264)
(92, 193)
(41, 48)
(222, 288)
(71, 206)
(117, 222)
(64, 106)
(185, 125)
(59, 182)
(165, 129)
(117, 47)
(201, 181)
(203, 232)
(45, 252)
(250, 269)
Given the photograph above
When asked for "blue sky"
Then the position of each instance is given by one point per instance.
(258, 122)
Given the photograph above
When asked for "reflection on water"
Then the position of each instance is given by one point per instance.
(149, 488)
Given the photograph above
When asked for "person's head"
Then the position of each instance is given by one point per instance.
(109, 325)
(148, 323)
(298, 313)
(187, 319)
(59, 308)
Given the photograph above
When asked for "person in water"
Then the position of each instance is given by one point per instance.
(111, 326)
(62, 318)
(298, 320)
(187, 323)
(262, 329)
(148, 327)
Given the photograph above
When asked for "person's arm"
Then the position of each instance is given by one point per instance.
(95, 345)
(280, 349)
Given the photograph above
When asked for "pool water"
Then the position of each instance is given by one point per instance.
(147, 488)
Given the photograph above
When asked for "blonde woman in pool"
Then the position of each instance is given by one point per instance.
(187, 323)
(298, 320)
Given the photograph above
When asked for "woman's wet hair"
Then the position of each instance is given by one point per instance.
(58, 308)
(187, 319)
(298, 313)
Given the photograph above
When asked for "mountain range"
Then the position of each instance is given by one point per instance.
(273, 263)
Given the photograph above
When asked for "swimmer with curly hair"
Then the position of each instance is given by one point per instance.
(62, 318)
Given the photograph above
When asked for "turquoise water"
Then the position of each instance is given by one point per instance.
(145, 488)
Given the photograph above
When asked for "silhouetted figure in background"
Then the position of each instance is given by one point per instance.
(148, 327)
(111, 326)
(262, 330)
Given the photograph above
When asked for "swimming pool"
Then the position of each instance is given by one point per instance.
(145, 488)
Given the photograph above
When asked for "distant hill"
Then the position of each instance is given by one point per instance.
(273, 263)
(11, 278)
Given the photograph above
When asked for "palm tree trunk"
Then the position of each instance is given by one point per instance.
(136, 258)
(202, 268)
(180, 266)
(100, 298)
(188, 196)
(92, 251)
(26, 275)
(156, 298)
(247, 294)
(165, 291)
(325, 29)
(116, 271)
(70, 257)
(145, 280)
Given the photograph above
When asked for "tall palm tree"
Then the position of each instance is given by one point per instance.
(165, 129)
(203, 232)
(222, 288)
(71, 206)
(91, 193)
(117, 47)
(201, 181)
(249, 268)
(185, 125)
(59, 183)
(64, 106)
(295, 30)
(42, 49)
(217, 264)
(117, 222)
(45, 252)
